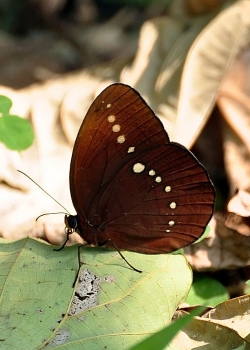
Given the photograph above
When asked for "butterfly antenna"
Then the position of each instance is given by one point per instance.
(44, 192)
(59, 212)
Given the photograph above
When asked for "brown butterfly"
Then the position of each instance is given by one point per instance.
(131, 187)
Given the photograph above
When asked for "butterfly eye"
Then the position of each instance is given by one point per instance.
(70, 222)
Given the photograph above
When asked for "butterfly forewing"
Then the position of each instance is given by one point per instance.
(118, 124)
(130, 185)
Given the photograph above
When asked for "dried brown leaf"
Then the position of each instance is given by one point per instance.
(222, 249)
(224, 327)
(211, 55)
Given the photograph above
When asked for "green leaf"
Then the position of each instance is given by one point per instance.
(16, 133)
(5, 105)
(111, 305)
(162, 338)
(206, 291)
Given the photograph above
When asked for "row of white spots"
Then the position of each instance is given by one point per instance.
(115, 127)
(138, 168)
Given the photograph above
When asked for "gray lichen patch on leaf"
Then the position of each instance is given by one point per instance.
(60, 338)
(86, 294)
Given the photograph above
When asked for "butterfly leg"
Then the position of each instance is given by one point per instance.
(80, 263)
(122, 256)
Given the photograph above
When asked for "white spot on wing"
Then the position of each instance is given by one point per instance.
(138, 167)
(131, 149)
(111, 118)
(116, 128)
(121, 139)
(151, 172)
(171, 223)
(167, 188)
(172, 205)
(158, 179)
(109, 105)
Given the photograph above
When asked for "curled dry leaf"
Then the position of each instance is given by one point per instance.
(238, 217)
(157, 68)
(240, 203)
(234, 103)
(208, 61)
(239, 223)
(224, 327)
(234, 314)
(223, 248)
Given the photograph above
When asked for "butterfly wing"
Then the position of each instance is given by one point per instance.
(130, 185)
